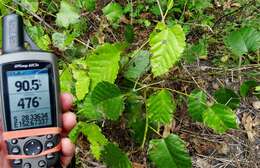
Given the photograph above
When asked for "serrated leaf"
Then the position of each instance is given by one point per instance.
(134, 117)
(195, 51)
(39, 36)
(197, 104)
(129, 33)
(31, 5)
(201, 4)
(114, 157)
(74, 133)
(95, 137)
(67, 15)
(88, 111)
(107, 98)
(167, 46)
(243, 41)
(82, 83)
(88, 5)
(138, 65)
(246, 86)
(103, 64)
(220, 118)
(113, 11)
(227, 97)
(160, 107)
(169, 4)
(62, 41)
(66, 80)
(169, 152)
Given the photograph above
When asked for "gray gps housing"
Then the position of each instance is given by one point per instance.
(29, 88)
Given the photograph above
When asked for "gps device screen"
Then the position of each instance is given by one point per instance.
(29, 98)
(29, 94)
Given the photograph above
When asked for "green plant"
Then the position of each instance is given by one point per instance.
(127, 84)
(219, 117)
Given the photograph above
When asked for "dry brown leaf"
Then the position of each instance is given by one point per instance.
(168, 128)
(222, 148)
(256, 105)
(202, 163)
(203, 147)
(236, 5)
(138, 165)
(248, 124)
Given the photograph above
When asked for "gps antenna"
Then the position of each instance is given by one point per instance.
(13, 34)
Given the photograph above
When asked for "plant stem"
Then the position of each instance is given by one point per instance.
(239, 67)
(146, 125)
(162, 15)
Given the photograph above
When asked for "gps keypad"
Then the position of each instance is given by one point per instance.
(34, 146)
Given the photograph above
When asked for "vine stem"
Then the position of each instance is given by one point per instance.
(159, 5)
(146, 125)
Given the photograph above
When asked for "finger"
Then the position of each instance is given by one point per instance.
(69, 121)
(68, 150)
(66, 101)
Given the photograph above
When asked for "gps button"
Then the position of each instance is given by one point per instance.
(32, 147)
(41, 163)
(17, 161)
(27, 165)
(15, 150)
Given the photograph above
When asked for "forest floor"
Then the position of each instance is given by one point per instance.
(235, 149)
(214, 67)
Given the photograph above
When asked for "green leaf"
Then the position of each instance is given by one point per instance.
(82, 83)
(201, 4)
(74, 133)
(129, 33)
(107, 98)
(95, 137)
(160, 107)
(220, 118)
(246, 87)
(138, 65)
(39, 36)
(167, 45)
(169, 4)
(114, 157)
(227, 97)
(88, 110)
(103, 64)
(66, 80)
(134, 117)
(31, 5)
(79, 28)
(62, 41)
(197, 104)
(89, 5)
(113, 11)
(67, 15)
(195, 51)
(243, 41)
(169, 152)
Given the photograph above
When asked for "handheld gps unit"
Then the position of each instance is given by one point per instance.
(29, 101)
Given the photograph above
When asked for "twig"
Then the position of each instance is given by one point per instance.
(162, 15)
(198, 84)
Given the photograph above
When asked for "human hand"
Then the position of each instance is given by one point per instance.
(68, 120)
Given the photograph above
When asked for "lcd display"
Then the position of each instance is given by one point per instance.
(29, 98)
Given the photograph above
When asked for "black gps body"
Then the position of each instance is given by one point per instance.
(29, 101)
